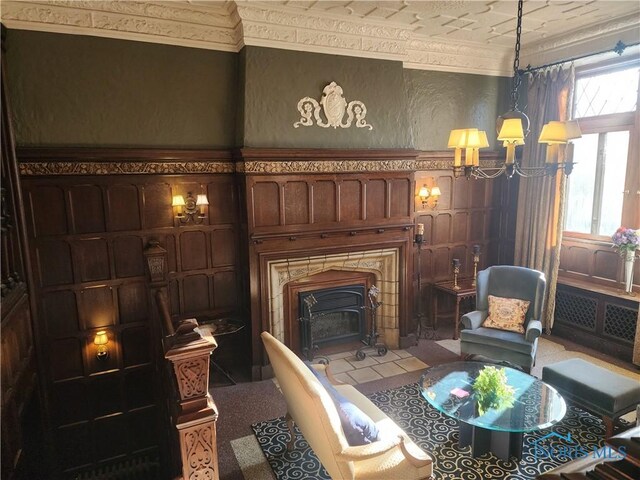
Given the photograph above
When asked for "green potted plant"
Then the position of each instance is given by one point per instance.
(492, 391)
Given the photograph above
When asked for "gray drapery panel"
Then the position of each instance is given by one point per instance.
(541, 200)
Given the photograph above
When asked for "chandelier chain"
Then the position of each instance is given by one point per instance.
(517, 77)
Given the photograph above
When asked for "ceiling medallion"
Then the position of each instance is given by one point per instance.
(334, 106)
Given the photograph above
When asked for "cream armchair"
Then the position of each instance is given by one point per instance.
(393, 456)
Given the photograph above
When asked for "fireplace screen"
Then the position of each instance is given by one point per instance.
(332, 315)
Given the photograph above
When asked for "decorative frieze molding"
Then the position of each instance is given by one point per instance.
(211, 27)
(266, 161)
(584, 41)
(228, 26)
(424, 53)
(123, 168)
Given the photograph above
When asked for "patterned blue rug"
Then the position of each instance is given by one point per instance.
(437, 435)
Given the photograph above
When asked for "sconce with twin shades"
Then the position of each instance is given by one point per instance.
(425, 194)
(187, 209)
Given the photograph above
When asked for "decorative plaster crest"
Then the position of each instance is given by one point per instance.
(334, 106)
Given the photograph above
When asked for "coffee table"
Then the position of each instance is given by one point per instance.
(536, 406)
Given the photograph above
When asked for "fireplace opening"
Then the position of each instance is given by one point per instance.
(337, 316)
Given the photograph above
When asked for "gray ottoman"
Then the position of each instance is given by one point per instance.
(597, 389)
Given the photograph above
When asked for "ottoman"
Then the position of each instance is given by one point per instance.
(597, 389)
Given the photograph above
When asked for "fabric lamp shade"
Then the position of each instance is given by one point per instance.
(511, 130)
(484, 141)
(424, 192)
(472, 138)
(455, 138)
(202, 200)
(553, 132)
(178, 201)
(435, 192)
(573, 129)
(101, 338)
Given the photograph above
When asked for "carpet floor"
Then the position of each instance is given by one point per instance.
(437, 435)
(247, 403)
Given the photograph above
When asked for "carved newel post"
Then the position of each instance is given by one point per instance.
(196, 414)
(193, 413)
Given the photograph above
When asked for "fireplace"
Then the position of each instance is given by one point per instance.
(288, 278)
(331, 316)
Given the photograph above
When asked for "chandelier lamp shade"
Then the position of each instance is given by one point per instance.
(512, 128)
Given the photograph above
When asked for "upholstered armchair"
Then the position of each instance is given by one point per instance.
(512, 347)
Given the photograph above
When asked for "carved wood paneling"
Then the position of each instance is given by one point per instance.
(350, 200)
(324, 194)
(296, 203)
(86, 209)
(88, 233)
(18, 377)
(343, 206)
(594, 261)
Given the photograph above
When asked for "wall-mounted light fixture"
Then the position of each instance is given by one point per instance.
(425, 194)
(187, 209)
(101, 340)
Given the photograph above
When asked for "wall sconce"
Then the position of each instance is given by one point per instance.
(101, 340)
(188, 208)
(425, 194)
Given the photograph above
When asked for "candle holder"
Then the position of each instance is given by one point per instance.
(456, 272)
(476, 259)
(428, 332)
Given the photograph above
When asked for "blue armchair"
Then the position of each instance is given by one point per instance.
(510, 282)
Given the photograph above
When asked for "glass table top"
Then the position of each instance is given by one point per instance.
(534, 405)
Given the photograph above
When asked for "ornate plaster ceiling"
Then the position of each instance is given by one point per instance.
(458, 35)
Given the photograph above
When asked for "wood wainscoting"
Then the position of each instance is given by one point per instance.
(309, 203)
(90, 214)
(584, 259)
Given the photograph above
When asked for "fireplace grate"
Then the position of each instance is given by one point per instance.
(332, 315)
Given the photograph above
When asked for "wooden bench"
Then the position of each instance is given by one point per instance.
(597, 389)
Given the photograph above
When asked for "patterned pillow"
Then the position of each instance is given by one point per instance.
(506, 314)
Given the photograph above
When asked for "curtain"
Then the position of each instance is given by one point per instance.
(541, 199)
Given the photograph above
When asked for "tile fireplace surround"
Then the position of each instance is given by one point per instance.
(382, 263)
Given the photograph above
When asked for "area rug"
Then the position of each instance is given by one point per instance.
(437, 435)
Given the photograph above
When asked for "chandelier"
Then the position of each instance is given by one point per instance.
(512, 128)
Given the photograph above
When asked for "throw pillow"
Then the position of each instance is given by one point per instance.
(506, 314)
(357, 426)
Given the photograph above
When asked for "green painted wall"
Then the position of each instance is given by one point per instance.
(277, 79)
(439, 102)
(89, 91)
(80, 90)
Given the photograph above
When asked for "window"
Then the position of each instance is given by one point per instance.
(601, 192)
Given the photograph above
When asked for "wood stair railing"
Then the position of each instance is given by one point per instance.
(192, 410)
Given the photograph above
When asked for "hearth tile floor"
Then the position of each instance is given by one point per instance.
(346, 368)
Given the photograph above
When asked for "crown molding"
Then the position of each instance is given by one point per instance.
(594, 38)
(232, 25)
(424, 53)
(210, 28)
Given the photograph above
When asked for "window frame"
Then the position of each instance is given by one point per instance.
(613, 122)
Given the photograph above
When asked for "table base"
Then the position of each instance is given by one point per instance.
(503, 445)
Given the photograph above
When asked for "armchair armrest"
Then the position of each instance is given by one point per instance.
(473, 320)
(534, 330)
(363, 452)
